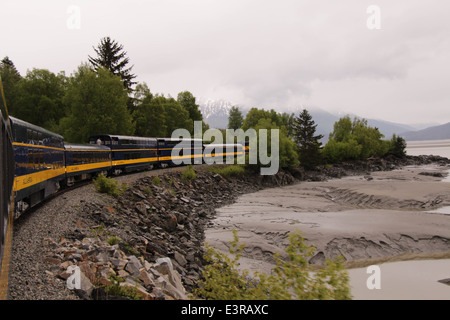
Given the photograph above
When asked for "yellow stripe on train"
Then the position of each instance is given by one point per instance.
(134, 161)
(28, 180)
(89, 166)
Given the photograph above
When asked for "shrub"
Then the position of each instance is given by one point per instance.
(335, 151)
(113, 240)
(116, 290)
(355, 141)
(229, 171)
(108, 185)
(397, 146)
(189, 173)
(156, 181)
(291, 279)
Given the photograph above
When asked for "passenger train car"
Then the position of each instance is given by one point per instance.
(84, 161)
(36, 163)
(39, 163)
(6, 193)
(129, 153)
(222, 153)
(177, 151)
(44, 163)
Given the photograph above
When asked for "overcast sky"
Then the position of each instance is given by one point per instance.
(281, 54)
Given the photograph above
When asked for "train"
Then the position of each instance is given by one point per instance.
(6, 191)
(44, 163)
(36, 163)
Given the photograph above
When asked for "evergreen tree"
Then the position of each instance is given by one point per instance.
(235, 118)
(11, 79)
(7, 64)
(110, 55)
(307, 141)
(398, 146)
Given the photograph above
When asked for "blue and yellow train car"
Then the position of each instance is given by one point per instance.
(6, 195)
(173, 151)
(223, 153)
(84, 161)
(128, 153)
(39, 163)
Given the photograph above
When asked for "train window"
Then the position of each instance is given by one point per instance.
(41, 160)
(30, 160)
(98, 142)
(29, 136)
(35, 137)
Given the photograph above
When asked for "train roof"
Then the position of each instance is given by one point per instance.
(122, 137)
(85, 147)
(18, 122)
(224, 145)
(180, 139)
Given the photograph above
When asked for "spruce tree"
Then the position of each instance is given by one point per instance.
(110, 55)
(307, 141)
(235, 118)
(11, 80)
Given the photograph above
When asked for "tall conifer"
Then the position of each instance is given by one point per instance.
(307, 141)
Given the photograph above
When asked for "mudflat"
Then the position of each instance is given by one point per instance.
(382, 215)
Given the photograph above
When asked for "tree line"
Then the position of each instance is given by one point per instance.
(300, 145)
(101, 96)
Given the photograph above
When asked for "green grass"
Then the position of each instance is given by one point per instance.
(229, 171)
(189, 173)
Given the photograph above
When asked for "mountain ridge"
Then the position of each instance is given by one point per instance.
(215, 114)
(440, 132)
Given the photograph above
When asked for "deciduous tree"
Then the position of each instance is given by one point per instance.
(97, 104)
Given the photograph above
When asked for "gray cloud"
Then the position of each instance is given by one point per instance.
(281, 54)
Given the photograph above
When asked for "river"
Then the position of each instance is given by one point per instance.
(433, 147)
(404, 280)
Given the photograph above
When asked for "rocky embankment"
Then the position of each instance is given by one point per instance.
(146, 243)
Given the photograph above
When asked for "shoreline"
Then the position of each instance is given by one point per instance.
(368, 219)
(152, 220)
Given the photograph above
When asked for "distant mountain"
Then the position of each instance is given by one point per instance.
(440, 132)
(325, 124)
(215, 113)
(389, 128)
